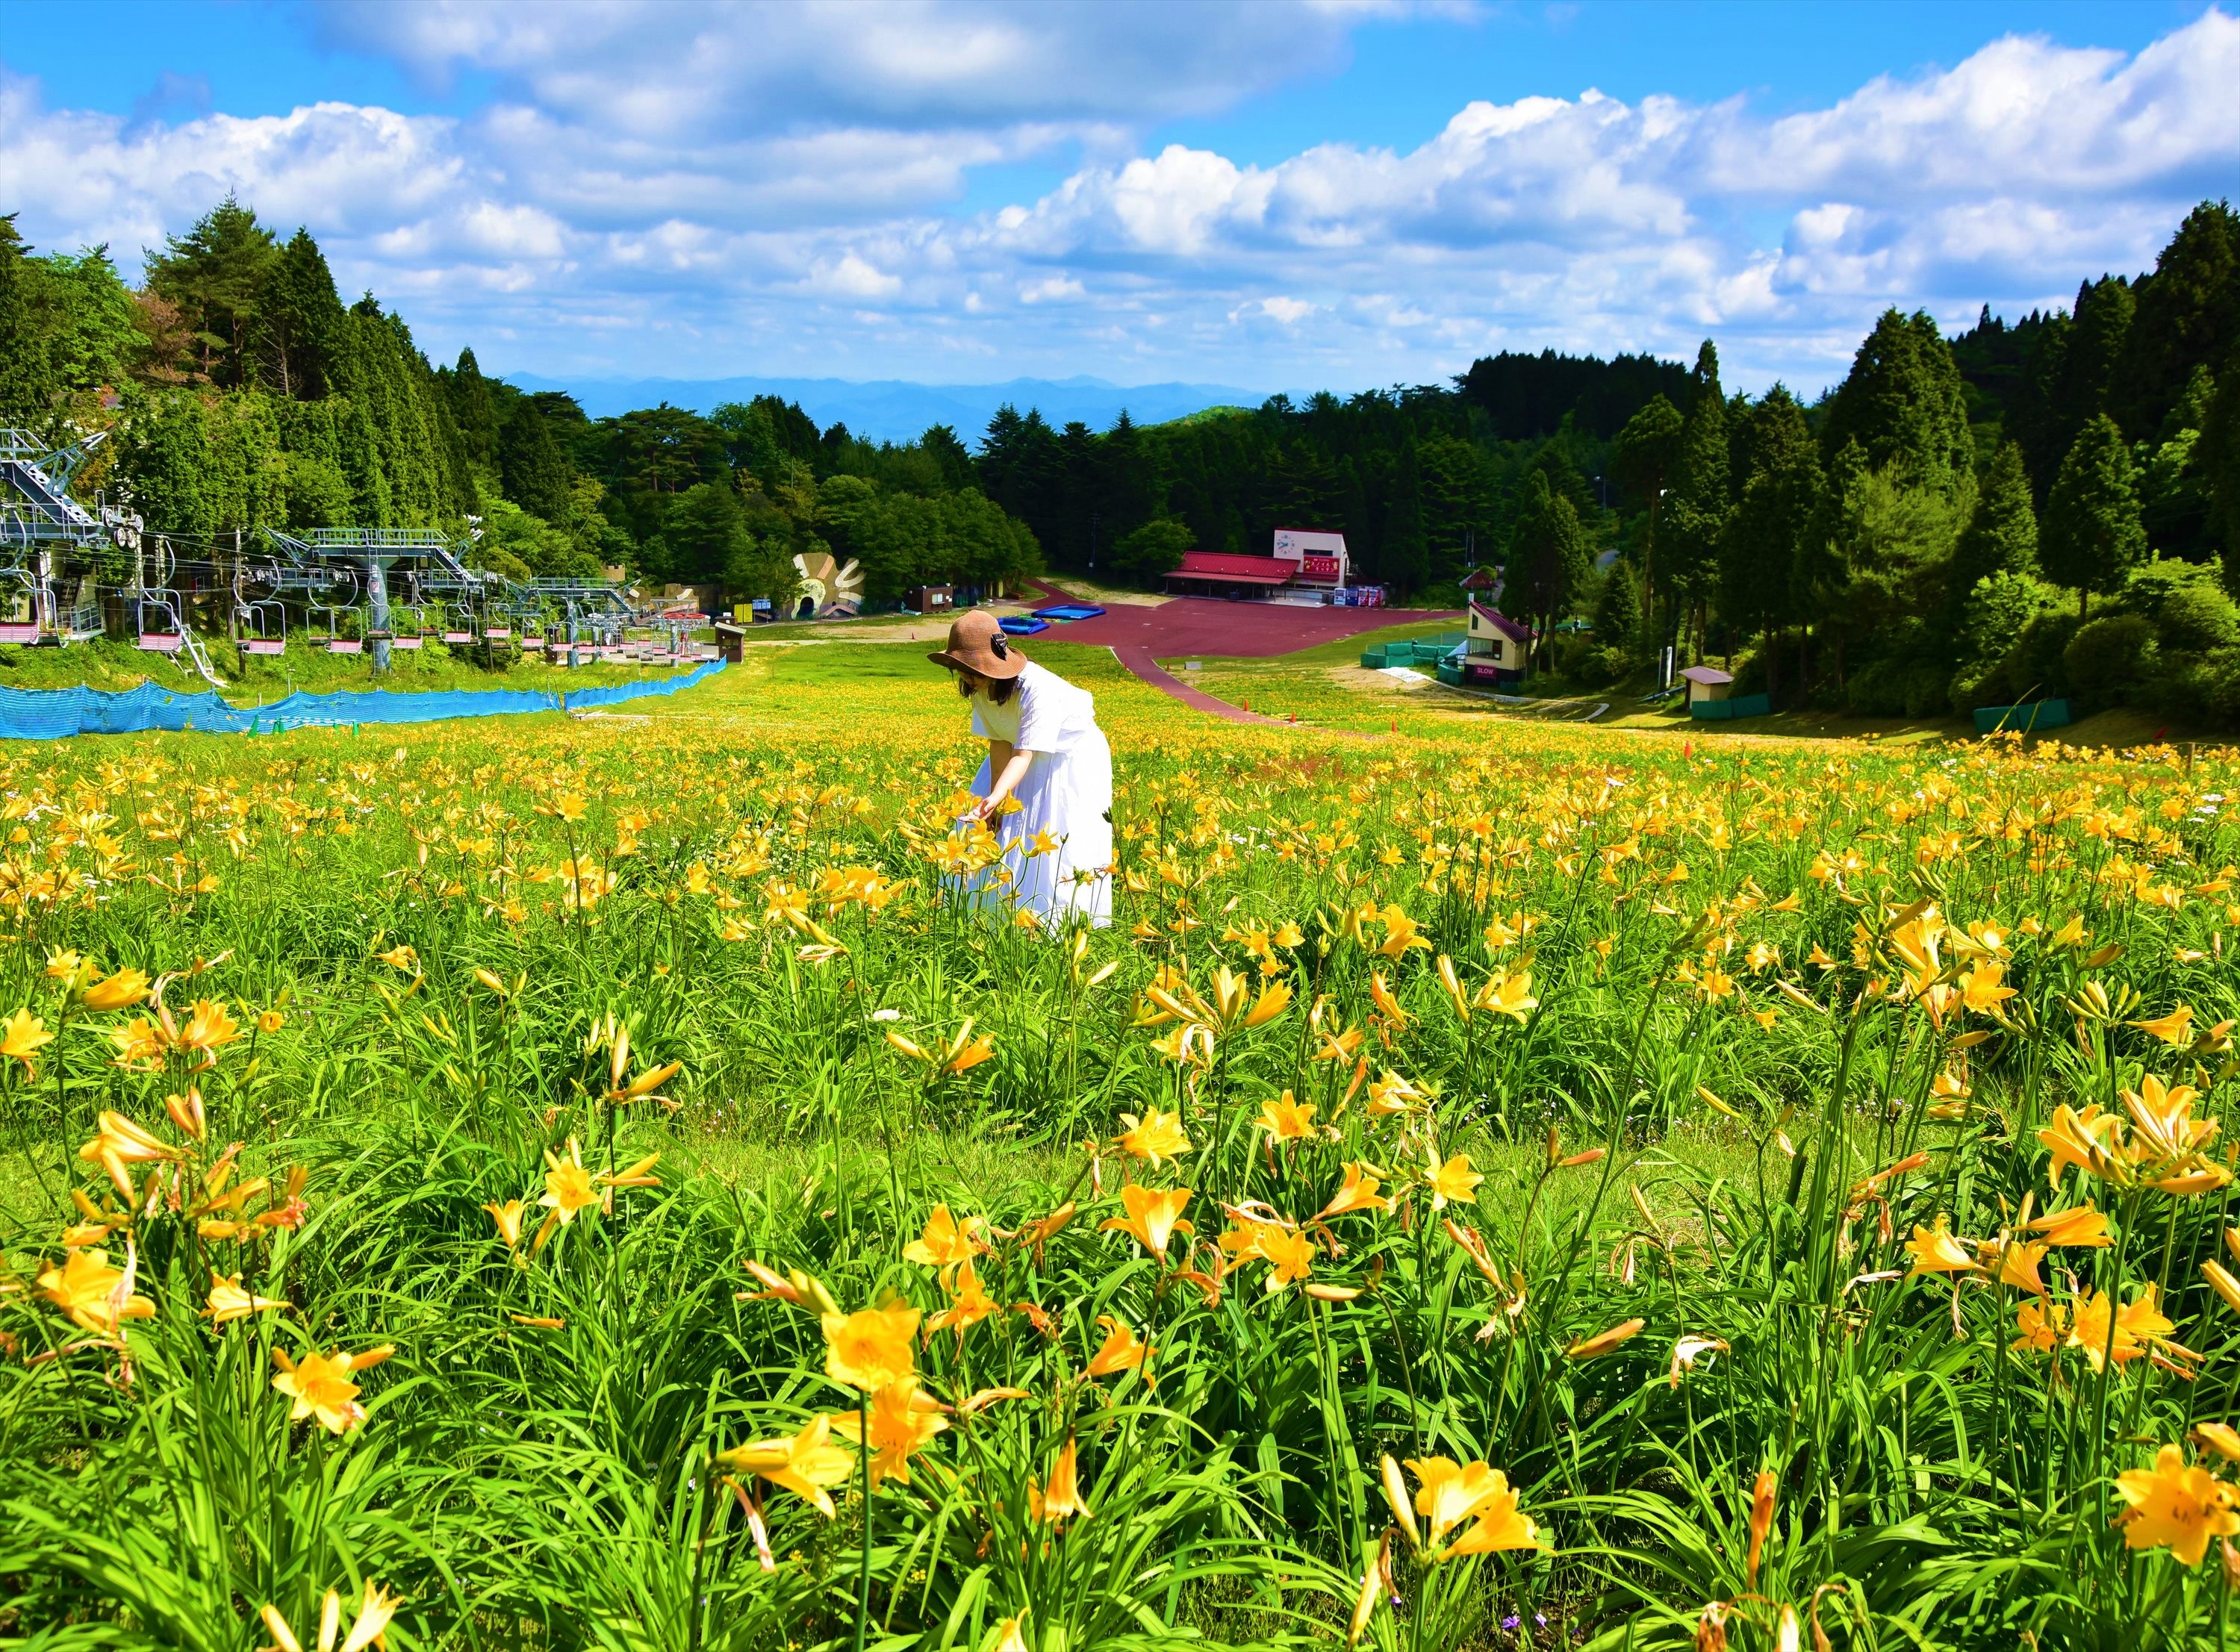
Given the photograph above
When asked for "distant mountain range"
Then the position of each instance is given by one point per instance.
(895, 410)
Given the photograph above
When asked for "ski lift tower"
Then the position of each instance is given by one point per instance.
(40, 524)
(374, 554)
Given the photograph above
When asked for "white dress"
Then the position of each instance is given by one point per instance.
(1065, 796)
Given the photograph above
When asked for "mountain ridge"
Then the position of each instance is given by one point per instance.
(900, 409)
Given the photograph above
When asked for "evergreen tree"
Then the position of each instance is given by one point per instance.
(298, 323)
(26, 383)
(2188, 316)
(215, 273)
(954, 462)
(1780, 496)
(2002, 533)
(2091, 537)
(1698, 501)
(166, 468)
(2097, 338)
(1617, 609)
(473, 412)
(1820, 578)
(705, 530)
(1403, 553)
(1548, 560)
(1904, 404)
(536, 477)
(90, 322)
(2219, 456)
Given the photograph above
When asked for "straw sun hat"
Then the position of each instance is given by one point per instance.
(976, 643)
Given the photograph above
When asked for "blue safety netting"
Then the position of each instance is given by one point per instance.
(55, 714)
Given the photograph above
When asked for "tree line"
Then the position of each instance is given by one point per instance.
(245, 395)
(2026, 509)
(2030, 509)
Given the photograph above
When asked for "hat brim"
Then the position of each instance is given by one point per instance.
(995, 670)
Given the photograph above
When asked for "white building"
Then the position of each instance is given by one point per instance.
(1319, 558)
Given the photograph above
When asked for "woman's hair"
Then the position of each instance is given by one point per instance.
(968, 684)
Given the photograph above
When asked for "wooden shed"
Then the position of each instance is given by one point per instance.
(1706, 684)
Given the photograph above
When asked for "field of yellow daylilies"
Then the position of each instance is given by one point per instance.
(590, 1183)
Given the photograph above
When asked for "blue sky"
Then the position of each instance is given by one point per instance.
(1264, 194)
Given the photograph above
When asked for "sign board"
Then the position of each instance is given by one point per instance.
(1320, 557)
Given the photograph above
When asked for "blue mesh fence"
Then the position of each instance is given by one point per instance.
(55, 714)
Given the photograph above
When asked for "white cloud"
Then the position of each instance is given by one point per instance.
(1051, 290)
(733, 190)
(851, 277)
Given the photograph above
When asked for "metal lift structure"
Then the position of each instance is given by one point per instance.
(342, 577)
(42, 527)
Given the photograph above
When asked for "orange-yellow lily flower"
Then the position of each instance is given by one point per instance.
(1151, 1218)
(803, 1463)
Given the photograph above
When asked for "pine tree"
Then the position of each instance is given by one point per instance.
(1904, 404)
(1404, 556)
(2218, 456)
(1647, 452)
(27, 381)
(536, 475)
(1698, 502)
(2091, 537)
(2188, 315)
(1548, 560)
(167, 470)
(214, 274)
(298, 326)
(1820, 578)
(1780, 496)
(2002, 533)
(1617, 610)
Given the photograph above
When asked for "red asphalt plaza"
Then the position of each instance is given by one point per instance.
(1197, 625)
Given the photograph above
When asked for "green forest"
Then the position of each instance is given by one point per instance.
(2029, 510)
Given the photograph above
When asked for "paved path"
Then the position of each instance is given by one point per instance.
(1203, 625)
(1138, 659)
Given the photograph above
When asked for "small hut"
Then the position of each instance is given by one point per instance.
(1497, 648)
(1706, 684)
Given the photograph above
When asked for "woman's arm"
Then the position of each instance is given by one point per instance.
(1006, 768)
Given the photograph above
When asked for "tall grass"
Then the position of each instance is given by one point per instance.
(1677, 1124)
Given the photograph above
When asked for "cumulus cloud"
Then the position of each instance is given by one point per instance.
(703, 190)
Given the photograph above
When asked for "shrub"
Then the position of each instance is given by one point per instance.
(2197, 618)
(1600, 666)
(2110, 657)
(1899, 686)
(2035, 668)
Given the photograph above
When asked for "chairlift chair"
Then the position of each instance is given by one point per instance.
(159, 622)
(20, 591)
(263, 626)
(260, 623)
